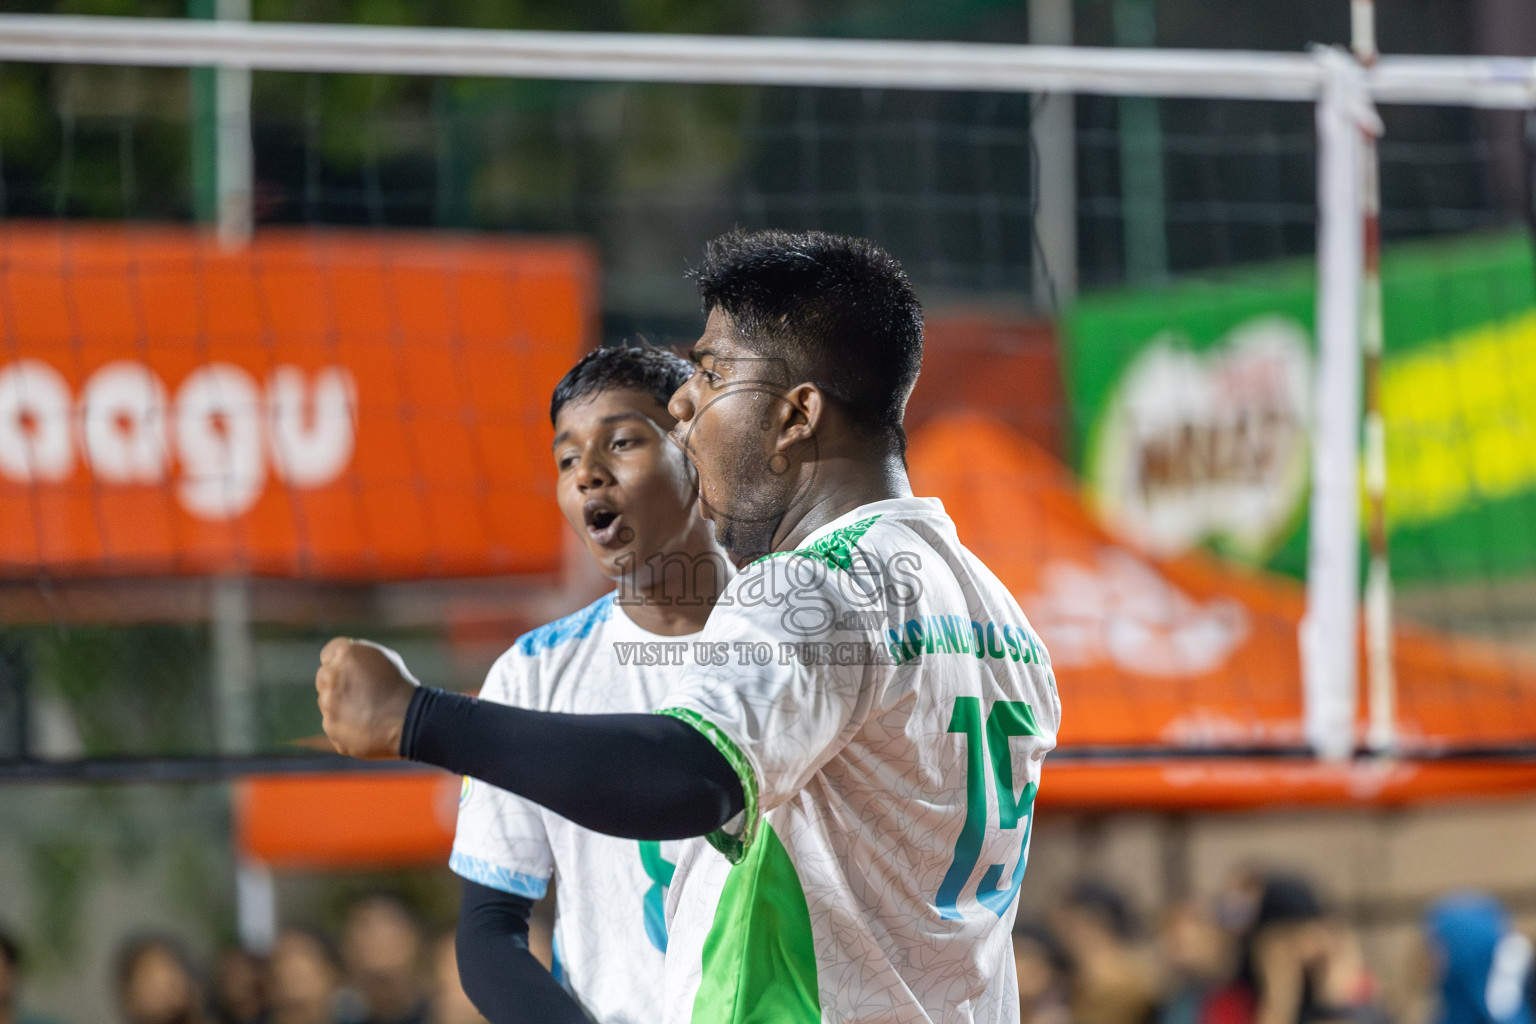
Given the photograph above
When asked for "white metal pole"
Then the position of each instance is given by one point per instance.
(1143, 214)
(234, 666)
(234, 162)
(637, 57)
(255, 906)
(1381, 684)
(1329, 627)
(1491, 82)
(1053, 133)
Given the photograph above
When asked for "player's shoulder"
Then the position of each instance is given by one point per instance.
(539, 653)
(880, 530)
(563, 633)
(843, 549)
(866, 560)
(821, 566)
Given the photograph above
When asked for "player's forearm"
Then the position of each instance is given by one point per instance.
(499, 974)
(632, 776)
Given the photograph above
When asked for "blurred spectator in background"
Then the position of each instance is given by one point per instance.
(303, 977)
(1237, 902)
(450, 1005)
(239, 988)
(10, 984)
(1112, 981)
(1297, 965)
(381, 949)
(155, 983)
(1042, 971)
(1196, 958)
(1481, 966)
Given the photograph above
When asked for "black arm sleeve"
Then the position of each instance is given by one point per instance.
(501, 977)
(631, 776)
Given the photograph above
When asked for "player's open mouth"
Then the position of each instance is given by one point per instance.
(603, 523)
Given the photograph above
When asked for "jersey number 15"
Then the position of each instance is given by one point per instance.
(1008, 718)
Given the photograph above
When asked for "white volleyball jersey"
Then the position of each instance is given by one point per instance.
(887, 707)
(609, 928)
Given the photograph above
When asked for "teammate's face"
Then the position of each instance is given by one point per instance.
(728, 416)
(623, 486)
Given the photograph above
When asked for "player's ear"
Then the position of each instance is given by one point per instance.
(805, 408)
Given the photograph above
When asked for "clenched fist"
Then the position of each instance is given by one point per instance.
(364, 691)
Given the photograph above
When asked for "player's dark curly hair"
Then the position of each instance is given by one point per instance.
(632, 367)
(840, 311)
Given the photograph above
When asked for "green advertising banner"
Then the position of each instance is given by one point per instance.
(1191, 407)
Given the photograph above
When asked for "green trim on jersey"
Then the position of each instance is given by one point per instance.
(734, 847)
(759, 956)
(835, 550)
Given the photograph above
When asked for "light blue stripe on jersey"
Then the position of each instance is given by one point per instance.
(575, 626)
(556, 968)
(494, 876)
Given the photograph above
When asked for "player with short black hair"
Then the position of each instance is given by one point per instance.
(628, 493)
(629, 367)
(839, 311)
(861, 737)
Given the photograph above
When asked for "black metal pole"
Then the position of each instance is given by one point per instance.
(16, 682)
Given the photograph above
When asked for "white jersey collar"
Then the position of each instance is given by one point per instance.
(886, 507)
(626, 628)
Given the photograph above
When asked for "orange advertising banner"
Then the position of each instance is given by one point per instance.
(343, 820)
(340, 405)
(1249, 784)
